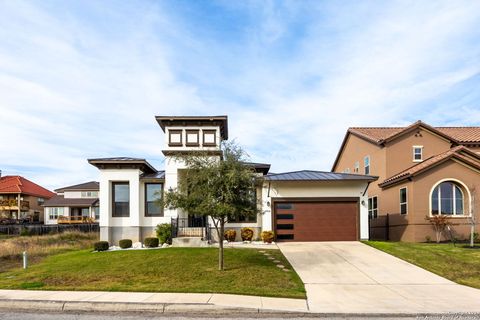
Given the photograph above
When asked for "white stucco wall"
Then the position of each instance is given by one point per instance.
(305, 189)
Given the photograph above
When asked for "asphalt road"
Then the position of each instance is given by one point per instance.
(20, 315)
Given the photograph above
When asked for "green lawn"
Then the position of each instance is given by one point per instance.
(459, 264)
(165, 270)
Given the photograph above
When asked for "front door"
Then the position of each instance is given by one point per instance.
(195, 221)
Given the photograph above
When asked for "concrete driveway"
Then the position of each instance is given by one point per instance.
(351, 277)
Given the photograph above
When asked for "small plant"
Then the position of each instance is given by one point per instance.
(475, 237)
(247, 234)
(230, 235)
(428, 239)
(267, 236)
(24, 232)
(440, 223)
(101, 246)
(151, 242)
(125, 243)
(164, 233)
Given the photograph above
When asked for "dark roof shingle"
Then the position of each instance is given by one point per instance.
(310, 175)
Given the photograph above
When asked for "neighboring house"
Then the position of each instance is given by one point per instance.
(21, 200)
(299, 206)
(423, 171)
(73, 204)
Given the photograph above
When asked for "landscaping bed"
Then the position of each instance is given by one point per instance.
(248, 271)
(459, 263)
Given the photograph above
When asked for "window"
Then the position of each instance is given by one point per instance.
(40, 201)
(89, 194)
(120, 199)
(356, 167)
(372, 207)
(347, 170)
(366, 164)
(175, 138)
(447, 199)
(247, 218)
(85, 212)
(209, 138)
(96, 211)
(54, 213)
(192, 137)
(403, 201)
(417, 153)
(153, 193)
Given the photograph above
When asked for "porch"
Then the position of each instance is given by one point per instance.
(191, 227)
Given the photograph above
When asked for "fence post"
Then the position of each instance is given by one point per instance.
(387, 230)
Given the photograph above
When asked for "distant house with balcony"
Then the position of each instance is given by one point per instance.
(73, 205)
(21, 200)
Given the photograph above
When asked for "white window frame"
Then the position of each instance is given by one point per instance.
(347, 170)
(373, 216)
(365, 166)
(406, 200)
(414, 153)
(466, 200)
(54, 212)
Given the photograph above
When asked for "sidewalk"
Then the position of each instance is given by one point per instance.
(146, 302)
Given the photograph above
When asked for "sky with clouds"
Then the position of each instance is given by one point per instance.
(84, 79)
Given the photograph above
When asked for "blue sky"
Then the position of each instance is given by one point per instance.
(83, 79)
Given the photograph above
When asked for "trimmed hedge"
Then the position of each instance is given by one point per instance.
(164, 233)
(125, 243)
(151, 242)
(267, 236)
(230, 235)
(247, 234)
(101, 246)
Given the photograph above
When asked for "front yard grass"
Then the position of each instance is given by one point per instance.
(247, 272)
(459, 264)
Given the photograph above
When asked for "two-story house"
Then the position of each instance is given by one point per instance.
(21, 200)
(423, 171)
(74, 204)
(299, 206)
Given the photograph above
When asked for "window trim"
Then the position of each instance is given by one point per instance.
(365, 166)
(192, 131)
(112, 202)
(175, 131)
(368, 208)
(209, 144)
(466, 199)
(145, 203)
(356, 167)
(406, 200)
(413, 153)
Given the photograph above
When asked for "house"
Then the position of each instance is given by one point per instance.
(423, 171)
(74, 204)
(21, 200)
(299, 206)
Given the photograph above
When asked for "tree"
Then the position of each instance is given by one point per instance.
(220, 188)
(472, 219)
(440, 223)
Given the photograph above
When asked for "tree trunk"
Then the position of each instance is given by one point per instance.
(220, 245)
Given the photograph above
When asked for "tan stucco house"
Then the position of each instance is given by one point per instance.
(423, 171)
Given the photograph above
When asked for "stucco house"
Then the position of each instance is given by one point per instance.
(423, 171)
(299, 206)
(74, 204)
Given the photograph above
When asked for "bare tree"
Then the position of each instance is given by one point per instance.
(472, 219)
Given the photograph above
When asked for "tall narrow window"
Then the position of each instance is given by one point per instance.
(120, 199)
(403, 201)
(366, 163)
(356, 167)
(372, 207)
(417, 153)
(153, 193)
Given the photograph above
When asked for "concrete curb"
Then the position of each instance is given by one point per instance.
(203, 309)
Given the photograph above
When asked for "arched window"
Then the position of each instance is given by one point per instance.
(447, 199)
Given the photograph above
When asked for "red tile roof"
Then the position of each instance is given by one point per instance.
(460, 152)
(18, 184)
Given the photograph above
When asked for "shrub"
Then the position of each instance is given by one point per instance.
(125, 243)
(164, 233)
(440, 223)
(24, 232)
(267, 236)
(230, 235)
(247, 234)
(428, 239)
(475, 237)
(151, 242)
(101, 246)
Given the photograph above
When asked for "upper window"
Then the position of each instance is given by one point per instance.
(356, 167)
(366, 164)
(447, 199)
(153, 193)
(175, 138)
(40, 201)
(403, 201)
(372, 207)
(417, 153)
(89, 194)
(209, 138)
(120, 199)
(192, 137)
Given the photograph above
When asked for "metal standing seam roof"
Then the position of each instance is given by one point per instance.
(87, 186)
(310, 175)
(156, 175)
(61, 201)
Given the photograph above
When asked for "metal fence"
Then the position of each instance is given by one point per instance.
(40, 229)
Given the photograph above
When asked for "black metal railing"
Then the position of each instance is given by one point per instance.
(191, 227)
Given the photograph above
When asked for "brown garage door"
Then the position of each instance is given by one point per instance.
(316, 221)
